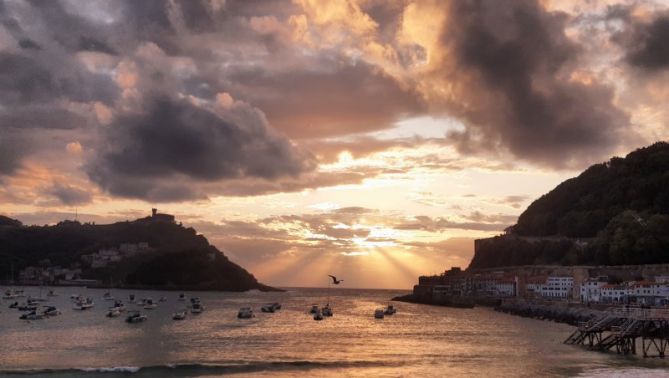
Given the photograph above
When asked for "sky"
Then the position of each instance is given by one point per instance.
(370, 139)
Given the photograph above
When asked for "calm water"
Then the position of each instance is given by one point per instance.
(417, 341)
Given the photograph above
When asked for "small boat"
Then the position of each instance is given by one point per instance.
(195, 300)
(135, 317)
(75, 297)
(12, 294)
(162, 299)
(379, 313)
(113, 312)
(314, 309)
(272, 307)
(390, 310)
(131, 297)
(149, 304)
(27, 307)
(84, 304)
(196, 308)
(327, 310)
(107, 296)
(182, 297)
(119, 306)
(51, 311)
(14, 305)
(33, 315)
(318, 315)
(245, 313)
(179, 315)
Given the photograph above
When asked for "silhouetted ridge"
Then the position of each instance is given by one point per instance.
(613, 213)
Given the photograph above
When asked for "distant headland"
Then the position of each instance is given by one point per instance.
(151, 252)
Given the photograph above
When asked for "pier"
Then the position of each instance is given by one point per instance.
(622, 329)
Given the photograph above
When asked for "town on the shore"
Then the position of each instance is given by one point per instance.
(642, 285)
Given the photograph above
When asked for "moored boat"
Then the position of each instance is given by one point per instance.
(272, 307)
(245, 313)
(149, 304)
(379, 313)
(179, 315)
(314, 309)
(135, 317)
(327, 310)
(390, 310)
(51, 311)
(318, 315)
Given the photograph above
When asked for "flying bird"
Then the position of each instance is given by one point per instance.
(335, 280)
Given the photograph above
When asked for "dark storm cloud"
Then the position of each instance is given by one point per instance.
(511, 68)
(177, 139)
(27, 43)
(648, 46)
(69, 195)
(11, 153)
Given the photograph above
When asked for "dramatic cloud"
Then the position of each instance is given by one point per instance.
(171, 139)
(510, 72)
(648, 48)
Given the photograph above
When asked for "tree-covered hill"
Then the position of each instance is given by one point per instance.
(177, 256)
(613, 213)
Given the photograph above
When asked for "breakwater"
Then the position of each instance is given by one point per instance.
(562, 314)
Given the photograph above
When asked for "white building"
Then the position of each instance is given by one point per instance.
(558, 287)
(591, 289)
(614, 293)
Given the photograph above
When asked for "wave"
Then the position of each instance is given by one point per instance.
(194, 369)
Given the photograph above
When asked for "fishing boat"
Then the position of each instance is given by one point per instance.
(131, 297)
(14, 305)
(119, 306)
(327, 310)
(390, 310)
(30, 306)
(107, 296)
(245, 313)
(182, 297)
(135, 317)
(179, 315)
(379, 313)
(318, 315)
(272, 307)
(314, 309)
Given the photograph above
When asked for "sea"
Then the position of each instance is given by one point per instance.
(417, 341)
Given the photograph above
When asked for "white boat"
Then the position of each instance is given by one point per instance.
(179, 315)
(51, 311)
(379, 313)
(196, 308)
(149, 304)
(314, 309)
(135, 317)
(390, 310)
(13, 294)
(327, 310)
(113, 312)
(318, 315)
(119, 306)
(272, 307)
(84, 304)
(245, 313)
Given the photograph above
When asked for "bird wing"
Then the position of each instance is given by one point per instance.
(333, 277)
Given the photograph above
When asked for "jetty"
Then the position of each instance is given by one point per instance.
(622, 329)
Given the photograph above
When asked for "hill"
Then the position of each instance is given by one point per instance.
(148, 252)
(613, 213)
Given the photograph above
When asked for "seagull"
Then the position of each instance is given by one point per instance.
(335, 280)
